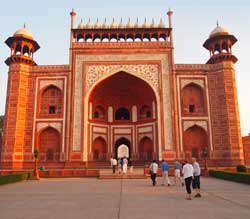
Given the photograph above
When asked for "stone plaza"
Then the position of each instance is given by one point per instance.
(122, 199)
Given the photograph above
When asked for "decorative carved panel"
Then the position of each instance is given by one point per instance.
(188, 124)
(55, 125)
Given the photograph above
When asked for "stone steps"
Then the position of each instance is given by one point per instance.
(123, 176)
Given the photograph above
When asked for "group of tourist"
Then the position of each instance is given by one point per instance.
(122, 164)
(191, 174)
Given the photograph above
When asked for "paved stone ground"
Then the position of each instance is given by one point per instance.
(121, 199)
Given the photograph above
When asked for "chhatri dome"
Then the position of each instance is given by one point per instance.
(23, 32)
(219, 31)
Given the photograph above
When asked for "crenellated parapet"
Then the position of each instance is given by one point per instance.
(119, 32)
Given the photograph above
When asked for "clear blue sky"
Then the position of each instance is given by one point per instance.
(49, 21)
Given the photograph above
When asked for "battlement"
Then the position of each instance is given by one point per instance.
(131, 34)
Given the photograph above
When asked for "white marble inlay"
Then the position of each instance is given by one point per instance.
(99, 130)
(185, 82)
(134, 114)
(110, 114)
(145, 129)
(45, 83)
(148, 72)
(122, 131)
(188, 124)
(141, 136)
(55, 125)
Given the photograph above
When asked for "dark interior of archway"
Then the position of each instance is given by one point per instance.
(122, 90)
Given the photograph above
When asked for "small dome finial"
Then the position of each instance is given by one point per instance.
(145, 25)
(217, 23)
(81, 25)
(105, 24)
(24, 25)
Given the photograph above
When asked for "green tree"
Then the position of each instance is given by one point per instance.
(1, 122)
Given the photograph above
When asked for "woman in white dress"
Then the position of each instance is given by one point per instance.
(125, 165)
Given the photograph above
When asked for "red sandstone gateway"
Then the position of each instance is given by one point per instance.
(120, 93)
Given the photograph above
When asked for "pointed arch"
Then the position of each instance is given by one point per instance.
(192, 99)
(127, 69)
(49, 143)
(99, 148)
(195, 139)
(50, 101)
(146, 148)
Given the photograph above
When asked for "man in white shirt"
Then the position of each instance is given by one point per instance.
(188, 175)
(153, 171)
(113, 163)
(196, 181)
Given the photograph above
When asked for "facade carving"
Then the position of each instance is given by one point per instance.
(185, 82)
(188, 124)
(46, 83)
(55, 125)
(97, 72)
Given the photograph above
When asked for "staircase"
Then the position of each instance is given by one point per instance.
(137, 173)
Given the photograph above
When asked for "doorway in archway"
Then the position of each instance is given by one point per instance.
(122, 148)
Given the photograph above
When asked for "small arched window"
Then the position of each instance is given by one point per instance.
(18, 49)
(122, 114)
(99, 112)
(192, 99)
(26, 50)
(145, 112)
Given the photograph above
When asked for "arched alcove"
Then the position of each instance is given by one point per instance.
(122, 114)
(49, 144)
(99, 149)
(195, 139)
(50, 102)
(146, 148)
(192, 99)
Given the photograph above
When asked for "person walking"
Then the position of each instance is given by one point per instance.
(164, 170)
(119, 165)
(124, 165)
(196, 180)
(153, 171)
(177, 173)
(114, 164)
(130, 164)
(188, 174)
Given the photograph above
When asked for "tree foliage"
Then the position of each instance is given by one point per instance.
(1, 122)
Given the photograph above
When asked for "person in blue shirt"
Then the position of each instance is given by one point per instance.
(164, 169)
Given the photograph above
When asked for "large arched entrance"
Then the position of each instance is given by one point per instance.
(122, 148)
(122, 105)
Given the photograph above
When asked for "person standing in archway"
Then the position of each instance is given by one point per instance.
(119, 165)
(125, 165)
(113, 164)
